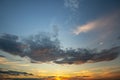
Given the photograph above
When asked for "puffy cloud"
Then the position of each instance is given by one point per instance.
(42, 48)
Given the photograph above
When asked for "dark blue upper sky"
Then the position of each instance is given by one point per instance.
(100, 17)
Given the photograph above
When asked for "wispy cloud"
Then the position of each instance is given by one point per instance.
(10, 72)
(13, 74)
(106, 21)
(85, 28)
(71, 4)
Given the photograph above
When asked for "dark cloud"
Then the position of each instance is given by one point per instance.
(10, 44)
(15, 73)
(2, 56)
(44, 47)
(86, 56)
(107, 55)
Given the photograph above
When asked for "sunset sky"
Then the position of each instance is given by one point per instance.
(69, 38)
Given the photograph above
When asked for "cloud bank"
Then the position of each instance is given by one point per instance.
(41, 48)
(87, 56)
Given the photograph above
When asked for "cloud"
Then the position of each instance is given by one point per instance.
(72, 4)
(15, 73)
(41, 48)
(107, 21)
(86, 56)
(85, 28)
(10, 44)
(2, 56)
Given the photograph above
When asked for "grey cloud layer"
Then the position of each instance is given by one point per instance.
(15, 73)
(87, 56)
(44, 47)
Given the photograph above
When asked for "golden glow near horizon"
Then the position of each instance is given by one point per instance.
(87, 70)
(57, 78)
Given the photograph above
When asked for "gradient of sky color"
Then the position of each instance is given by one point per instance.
(91, 24)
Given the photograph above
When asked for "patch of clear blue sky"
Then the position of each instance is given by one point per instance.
(25, 17)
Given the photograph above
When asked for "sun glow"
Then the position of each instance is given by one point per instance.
(57, 78)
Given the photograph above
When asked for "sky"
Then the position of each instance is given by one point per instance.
(60, 38)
